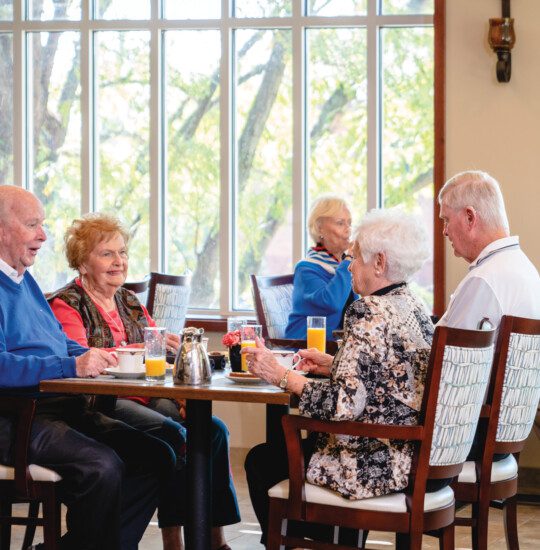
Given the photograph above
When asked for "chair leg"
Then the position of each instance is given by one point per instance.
(51, 520)
(275, 519)
(5, 528)
(447, 538)
(33, 513)
(475, 513)
(510, 523)
(480, 512)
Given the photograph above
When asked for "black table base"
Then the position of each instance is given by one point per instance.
(198, 528)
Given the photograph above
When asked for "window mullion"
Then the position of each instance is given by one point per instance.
(373, 108)
(299, 134)
(226, 180)
(20, 128)
(87, 112)
(157, 214)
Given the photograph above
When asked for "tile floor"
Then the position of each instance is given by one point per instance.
(245, 536)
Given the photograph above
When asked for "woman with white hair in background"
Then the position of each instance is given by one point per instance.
(377, 375)
(322, 282)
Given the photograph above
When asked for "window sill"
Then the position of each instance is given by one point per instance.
(210, 323)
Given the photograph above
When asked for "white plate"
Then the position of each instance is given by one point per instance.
(115, 371)
(245, 379)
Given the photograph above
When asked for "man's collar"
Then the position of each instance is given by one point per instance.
(494, 247)
(10, 272)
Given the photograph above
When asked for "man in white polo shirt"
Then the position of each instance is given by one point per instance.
(501, 279)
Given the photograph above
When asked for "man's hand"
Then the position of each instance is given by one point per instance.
(312, 360)
(93, 363)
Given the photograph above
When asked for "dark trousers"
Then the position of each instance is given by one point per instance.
(111, 473)
(161, 419)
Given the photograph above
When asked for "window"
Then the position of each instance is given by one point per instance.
(208, 134)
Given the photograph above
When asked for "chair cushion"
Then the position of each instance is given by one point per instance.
(37, 473)
(387, 503)
(501, 470)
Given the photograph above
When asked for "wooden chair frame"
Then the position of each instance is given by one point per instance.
(409, 526)
(483, 493)
(23, 488)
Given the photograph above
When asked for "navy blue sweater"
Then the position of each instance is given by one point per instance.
(32, 344)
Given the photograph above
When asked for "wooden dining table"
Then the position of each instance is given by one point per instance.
(198, 417)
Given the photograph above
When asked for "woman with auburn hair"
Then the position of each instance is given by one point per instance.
(96, 311)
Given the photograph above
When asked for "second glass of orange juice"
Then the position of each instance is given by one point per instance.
(248, 334)
(155, 339)
(316, 333)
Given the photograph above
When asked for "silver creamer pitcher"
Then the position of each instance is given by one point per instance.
(192, 364)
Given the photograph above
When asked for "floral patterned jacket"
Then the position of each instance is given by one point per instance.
(377, 377)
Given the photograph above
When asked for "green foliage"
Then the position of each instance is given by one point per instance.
(336, 139)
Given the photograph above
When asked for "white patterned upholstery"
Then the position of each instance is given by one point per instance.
(464, 379)
(500, 471)
(521, 388)
(37, 473)
(277, 304)
(395, 502)
(170, 306)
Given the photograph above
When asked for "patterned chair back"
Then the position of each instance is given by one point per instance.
(273, 303)
(168, 300)
(521, 386)
(464, 379)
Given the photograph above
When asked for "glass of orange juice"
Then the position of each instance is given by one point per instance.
(155, 339)
(248, 333)
(316, 333)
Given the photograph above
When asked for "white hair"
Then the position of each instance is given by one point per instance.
(480, 191)
(401, 236)
(324, 207)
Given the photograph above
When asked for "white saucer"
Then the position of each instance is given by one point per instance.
(238, 378)
(116, 372)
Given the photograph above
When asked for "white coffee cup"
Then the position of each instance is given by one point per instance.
(130, 359)
(284, 357)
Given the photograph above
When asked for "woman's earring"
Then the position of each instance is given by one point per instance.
(321, 238)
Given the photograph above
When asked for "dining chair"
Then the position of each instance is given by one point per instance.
(273, 303)
(22, 482)
(456, 381)
(140, 288)
(168, 300)
(507, 419)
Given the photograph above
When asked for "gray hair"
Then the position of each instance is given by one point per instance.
(323, 207)
(480, 191)
(401, 236)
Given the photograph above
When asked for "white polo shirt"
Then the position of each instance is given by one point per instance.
(501, 281)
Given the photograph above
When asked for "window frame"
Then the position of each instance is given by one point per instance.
(298, 23)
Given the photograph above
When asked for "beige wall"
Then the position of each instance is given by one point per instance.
(495, 126)
(489, 126)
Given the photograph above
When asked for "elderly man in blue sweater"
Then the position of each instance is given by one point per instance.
(111, 473)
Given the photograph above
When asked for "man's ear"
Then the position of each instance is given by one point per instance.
(471, 216)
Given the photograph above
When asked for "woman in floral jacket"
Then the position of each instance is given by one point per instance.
(377, 375)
